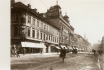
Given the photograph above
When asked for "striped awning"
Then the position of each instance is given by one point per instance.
(57, 47)
(62, 46)
(32, 45)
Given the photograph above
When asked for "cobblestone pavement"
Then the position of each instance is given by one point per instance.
(80, 61)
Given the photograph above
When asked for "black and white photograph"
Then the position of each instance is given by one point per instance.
(56, 35)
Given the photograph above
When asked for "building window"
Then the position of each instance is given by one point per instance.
(44, 26)
(41, 35)
(53, 39)
(38, 34)
(14, 18)
(33, 33)
(47, 37)
(29, 32)
(57, 40)
(44, 36)
(41, 24)
(29, 19)
(47, 27)
(33, 21)
(16, 31)
(38, 23)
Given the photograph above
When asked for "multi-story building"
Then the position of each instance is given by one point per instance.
(30, 30)
(66, 31)
(81, 44)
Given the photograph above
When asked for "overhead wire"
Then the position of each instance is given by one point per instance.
(44, 4)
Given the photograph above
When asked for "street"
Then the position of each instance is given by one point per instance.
(80, 61)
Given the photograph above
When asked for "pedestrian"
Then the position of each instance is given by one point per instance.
(63, 54)
(15, 51)
(18, 53)
(94, 51)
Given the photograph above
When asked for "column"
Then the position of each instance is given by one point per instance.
(49, 48)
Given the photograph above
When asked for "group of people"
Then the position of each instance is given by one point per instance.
(15, 51)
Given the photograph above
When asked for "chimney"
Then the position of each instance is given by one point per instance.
(29, 5)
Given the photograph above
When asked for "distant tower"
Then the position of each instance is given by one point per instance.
(54, 11)
(66, 18)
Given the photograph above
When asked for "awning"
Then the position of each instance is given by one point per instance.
(63, 46)
(43, 45)
(32, 45)
(57, 47)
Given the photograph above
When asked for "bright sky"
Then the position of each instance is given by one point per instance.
(86, 16)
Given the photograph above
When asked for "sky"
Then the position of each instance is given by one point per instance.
(86, 16)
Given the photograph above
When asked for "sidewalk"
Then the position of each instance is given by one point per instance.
(36, 55)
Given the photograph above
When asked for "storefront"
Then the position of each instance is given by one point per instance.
(33, 47)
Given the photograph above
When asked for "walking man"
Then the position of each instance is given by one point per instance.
(63, 54)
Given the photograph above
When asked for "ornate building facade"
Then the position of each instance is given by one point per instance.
(31, 31)
(66, 31)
